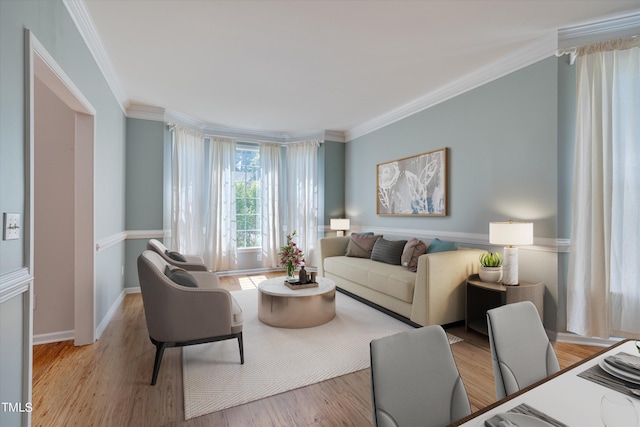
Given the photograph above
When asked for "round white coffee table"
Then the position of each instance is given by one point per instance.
(283, 307)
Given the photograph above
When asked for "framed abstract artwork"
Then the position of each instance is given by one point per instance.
(413, 186)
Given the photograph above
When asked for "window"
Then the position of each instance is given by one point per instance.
(247, 185)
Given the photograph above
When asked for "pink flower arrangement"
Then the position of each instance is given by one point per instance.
(291, 256)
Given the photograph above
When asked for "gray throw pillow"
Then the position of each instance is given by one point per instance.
(360, 245)
(176, 256)
(388, 251)
(181, 277)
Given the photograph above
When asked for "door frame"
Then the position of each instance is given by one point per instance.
(38, 62)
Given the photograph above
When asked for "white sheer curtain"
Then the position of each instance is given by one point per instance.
(270, 188)
(603, 296)
(220, 248)
(302, 195)
(187, 176)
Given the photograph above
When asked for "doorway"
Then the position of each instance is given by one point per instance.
(61, 226)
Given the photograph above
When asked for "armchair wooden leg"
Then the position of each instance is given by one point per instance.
(160, 346)
(241, 346)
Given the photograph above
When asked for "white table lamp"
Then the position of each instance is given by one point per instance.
(511, 234)
(341, 225)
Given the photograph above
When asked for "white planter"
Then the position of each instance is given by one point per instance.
(490, 274)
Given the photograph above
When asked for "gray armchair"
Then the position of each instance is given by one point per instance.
(520, 349)
(415, 380)
(180, 315)
(188, 262)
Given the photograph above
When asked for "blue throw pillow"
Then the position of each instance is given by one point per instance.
(438, 245)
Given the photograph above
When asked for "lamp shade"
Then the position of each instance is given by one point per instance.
(340, 224)
(511, 233)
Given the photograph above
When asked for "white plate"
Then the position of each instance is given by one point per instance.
(619, 373)
(520, 420)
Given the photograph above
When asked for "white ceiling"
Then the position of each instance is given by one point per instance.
(293, 66)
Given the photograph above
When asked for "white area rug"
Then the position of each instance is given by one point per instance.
(279, 360)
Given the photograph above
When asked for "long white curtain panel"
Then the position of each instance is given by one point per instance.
(603, 296)
(187, 204)
(302, 195)
(270, 193)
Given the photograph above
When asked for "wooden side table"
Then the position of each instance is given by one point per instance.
(483, 296)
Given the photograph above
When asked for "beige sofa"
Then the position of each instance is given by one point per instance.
(434, 295)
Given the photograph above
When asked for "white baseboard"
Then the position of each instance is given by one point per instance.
(53, 337)
(135, 290)
(107, 318)
(254, 271)
(569, 338)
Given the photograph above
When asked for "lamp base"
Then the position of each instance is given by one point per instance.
(340, 233)
(510, 266)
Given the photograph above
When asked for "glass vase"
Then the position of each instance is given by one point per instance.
(291, 270)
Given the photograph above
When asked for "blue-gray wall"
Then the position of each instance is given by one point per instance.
(504, 154)
(145, 190)
(566, 142)
(502, 140)
(51, 24)
(332, 179)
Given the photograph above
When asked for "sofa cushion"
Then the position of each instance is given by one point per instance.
(392, 280)
(419, 250)
(361, 245)
(388, 251)
(438, 245)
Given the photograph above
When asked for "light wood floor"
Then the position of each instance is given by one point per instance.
(107, 383)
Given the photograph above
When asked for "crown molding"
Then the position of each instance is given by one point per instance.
(620, 26)
(159, 114)
(535, 51)
(80, 16)
(541, 48)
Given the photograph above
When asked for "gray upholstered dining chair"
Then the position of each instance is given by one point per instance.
(188, 262)
(520, 349)
(415, 380)
(194, 312)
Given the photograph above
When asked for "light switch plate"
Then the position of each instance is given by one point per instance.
(11, 226)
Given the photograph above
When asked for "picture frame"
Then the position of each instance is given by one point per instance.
(413, 186)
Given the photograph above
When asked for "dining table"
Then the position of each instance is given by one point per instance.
(571, 397)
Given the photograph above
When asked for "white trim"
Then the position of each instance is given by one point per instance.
(80, 16)
(616, 27)
(53, 76)
(107, 318)
(69, 335)
(543, 47)
(14, 283)
(39, 63)
(107, 242)
(159, 114)
(569, 338)
(53, 337)
(147, 234)
(113, 240)
(251, 271)
(543, 244)
(535, 51)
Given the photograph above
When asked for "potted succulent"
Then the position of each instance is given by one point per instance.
(491, 267)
